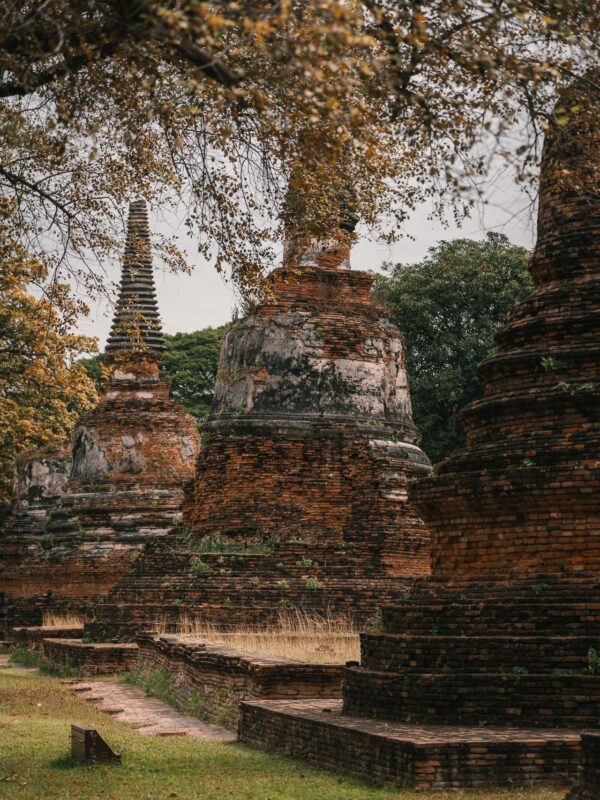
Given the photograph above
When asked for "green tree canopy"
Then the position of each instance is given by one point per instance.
(449, 306)
(190, 362)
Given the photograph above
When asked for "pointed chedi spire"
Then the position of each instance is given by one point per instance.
(136, 324)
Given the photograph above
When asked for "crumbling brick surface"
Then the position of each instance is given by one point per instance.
(505, 630)
(89, 659)
(588, 787)
(424, 757)
(212, 680)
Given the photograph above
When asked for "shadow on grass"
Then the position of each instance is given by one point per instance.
(68, 762)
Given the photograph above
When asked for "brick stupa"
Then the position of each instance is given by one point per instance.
(491, 671)
(131, 456)
(301, 491)
(516, 512)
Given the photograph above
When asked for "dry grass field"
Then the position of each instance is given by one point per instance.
(328, 639)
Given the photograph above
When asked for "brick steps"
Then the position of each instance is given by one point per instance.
(540, 616)
(409, 755)
(461, 654)
(513, 700)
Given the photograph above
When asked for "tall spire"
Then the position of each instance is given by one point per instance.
(136, 324)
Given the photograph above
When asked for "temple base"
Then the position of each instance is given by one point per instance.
(423, 757)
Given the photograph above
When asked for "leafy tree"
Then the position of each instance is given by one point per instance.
(214, 104)
(190, 362)
(42, 388)
(449, 306)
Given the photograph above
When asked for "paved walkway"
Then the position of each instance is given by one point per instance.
(149, 716)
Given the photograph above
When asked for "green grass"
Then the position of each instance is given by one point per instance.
(35, 717)
(32, 658)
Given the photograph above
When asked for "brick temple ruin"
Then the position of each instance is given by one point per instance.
(490, 672)
(301, 492)
(80, 519)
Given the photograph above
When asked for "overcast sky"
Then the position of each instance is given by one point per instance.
(190, 302)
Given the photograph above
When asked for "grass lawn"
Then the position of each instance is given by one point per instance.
(35, 717)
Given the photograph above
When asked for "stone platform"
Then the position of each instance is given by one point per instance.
(423, 757)
(32, 637)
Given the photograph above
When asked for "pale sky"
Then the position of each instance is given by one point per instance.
(190, 302)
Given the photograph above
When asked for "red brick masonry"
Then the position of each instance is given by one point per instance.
(301, 492)
(589, 786)
(212, 680)
(424, 757)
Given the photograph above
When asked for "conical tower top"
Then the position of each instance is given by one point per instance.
(136, 324)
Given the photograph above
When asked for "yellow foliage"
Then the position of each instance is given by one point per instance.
(43, 390)
(374, 104)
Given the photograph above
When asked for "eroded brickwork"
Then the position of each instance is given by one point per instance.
(89, 659)
(506, 630)
(213, 680)
(589, 786)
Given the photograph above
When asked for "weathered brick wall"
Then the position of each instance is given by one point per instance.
(336, 489)
(89, 659)
(589, 786)
(212, 680)
(137, 435)
(430, 759)
(31, 638)
(175, 579)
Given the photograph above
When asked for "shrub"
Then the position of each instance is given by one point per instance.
(199, 567)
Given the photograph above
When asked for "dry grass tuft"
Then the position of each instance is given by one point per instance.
(298, 635)
(51, 620)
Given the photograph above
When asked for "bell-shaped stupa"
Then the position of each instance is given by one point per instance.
(300, 499)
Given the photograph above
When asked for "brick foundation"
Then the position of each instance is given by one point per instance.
(32, 638)
(423, 757)
(589, 786)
